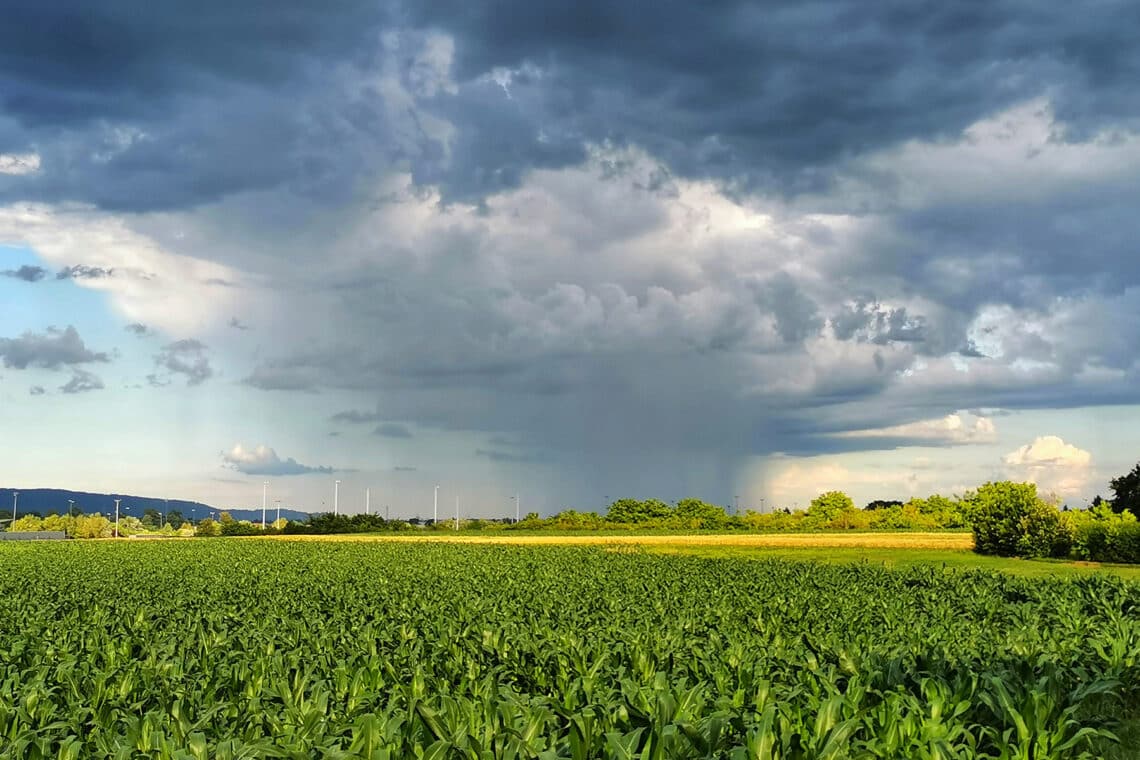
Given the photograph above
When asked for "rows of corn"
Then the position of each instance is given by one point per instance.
(244, 649)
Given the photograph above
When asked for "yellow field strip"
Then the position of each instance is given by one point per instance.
(949, 541)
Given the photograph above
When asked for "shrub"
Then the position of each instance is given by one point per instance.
(240, 528)
(1099, 535)
(1011, 520)
(208, 528)
(91, 526)
(27, 524)
(828, 506)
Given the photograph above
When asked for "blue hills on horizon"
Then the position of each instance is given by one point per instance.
(44, 501)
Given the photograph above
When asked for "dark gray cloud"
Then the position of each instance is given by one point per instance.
(188, 357)
(36, 390)
(82, 382)
(26, 273)
(392, 430)
(791, 91)
(881, 268)
(237, 324)
(52, 349)
(258, 100)
(139, 329)
(84, 272)
(356, 417)
(512, 457)
(286, 375)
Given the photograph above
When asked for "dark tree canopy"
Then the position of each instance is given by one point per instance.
(1126, 492)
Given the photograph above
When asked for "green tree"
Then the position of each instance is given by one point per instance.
(92, 526)
(625, 511)
(634, 511)
(130, 525)
(1011, 520)
(208, 528)
(27, 523)
(831, 505)
(704, 514)
(174, 517)
(152, 519)
(1126, 492)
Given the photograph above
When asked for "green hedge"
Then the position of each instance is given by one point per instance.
(1107, 541)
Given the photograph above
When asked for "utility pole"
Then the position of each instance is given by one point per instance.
(15, 500)
(435, 507)
(336, 498)
(264, 488)
(517, 508)
(367, 501)
(164, 513)
(70, 506)
(457, 511)
(117, 517)
(278, 511)
(761, 505)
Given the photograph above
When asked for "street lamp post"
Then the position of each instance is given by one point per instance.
(15, 500)
(457, 511)
(70, 506)
(117, 517)
(336, 498)
(518, 510)
(278, 511)
(435, 507)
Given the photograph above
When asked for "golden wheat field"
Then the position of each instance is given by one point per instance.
(948, 541)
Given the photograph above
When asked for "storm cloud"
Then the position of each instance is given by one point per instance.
(571, 226)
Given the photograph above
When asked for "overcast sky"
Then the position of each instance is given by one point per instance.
(573, 250)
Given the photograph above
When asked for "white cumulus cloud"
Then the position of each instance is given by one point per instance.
(262, 460)
(1052, 464)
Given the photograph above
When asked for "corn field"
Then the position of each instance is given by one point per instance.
(294, 649)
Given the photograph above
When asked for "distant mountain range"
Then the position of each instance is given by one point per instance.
(46, 500)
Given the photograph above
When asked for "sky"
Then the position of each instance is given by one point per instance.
(568, 251)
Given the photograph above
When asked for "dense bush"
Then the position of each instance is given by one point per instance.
(241, 528)
(208, 528)
(1011, 520)
(1100, 535)
(323, 524)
